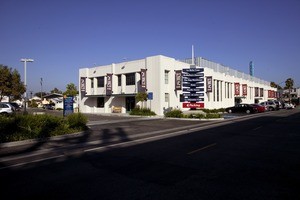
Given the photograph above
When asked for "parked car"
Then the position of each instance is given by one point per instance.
(278, 104)
(16, 106)
(289, 106)
(48, 107)
(6, 108)
(259, 107)
(241, 108)
(269, 105)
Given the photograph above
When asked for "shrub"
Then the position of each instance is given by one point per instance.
(77, 121)
(21, 127)
(176, 113)
(212, 115)
(199, 116)
(142, 112)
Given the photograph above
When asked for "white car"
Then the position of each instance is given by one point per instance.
(6, 108)
(289, 106)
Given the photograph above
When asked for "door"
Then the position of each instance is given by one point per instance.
(130, 103)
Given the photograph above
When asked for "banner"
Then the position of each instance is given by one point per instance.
(82, 84)
(143, 80)
(209, 84)
(108, 84)
(178, 79)
(237, 89)
(244, 87)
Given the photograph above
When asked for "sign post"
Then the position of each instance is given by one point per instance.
(193, 87)
(68, 106)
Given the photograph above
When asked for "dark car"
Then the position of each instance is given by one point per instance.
(241, 108)
(48, 107)
(16, 106)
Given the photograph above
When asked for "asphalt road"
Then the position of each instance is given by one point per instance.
(256, 157)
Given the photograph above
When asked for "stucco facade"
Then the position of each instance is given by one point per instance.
(112, 88)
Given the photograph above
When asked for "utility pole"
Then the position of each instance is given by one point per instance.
(41, 89)
(25, 60)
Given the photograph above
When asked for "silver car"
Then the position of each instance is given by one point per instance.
(6, 108)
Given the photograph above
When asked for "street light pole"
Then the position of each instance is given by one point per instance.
(25, 60)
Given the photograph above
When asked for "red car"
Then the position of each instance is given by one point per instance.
(259, 108)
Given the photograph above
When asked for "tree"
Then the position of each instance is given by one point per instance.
(289, 83)
(274, 85)
(40, 94)
(71, 90)
(10, 83)
(141, 96)
(57, 91)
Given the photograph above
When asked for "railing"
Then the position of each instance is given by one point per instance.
(223, 69)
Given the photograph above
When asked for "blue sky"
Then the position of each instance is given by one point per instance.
(65, 35)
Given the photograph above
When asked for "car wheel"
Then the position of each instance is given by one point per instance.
(248, 111)
(271, 109)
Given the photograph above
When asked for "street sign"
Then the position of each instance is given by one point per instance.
(150, 96)
(186, 84)
(192, 94)
(194, 99)
(68, 106)
(193, 105)
(193, 89)
(193, 83)
(193, 75)
(192, 79)
(193, 70)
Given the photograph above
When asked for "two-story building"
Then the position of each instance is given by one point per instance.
(112, 88)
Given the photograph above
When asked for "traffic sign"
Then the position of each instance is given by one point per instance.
(192, 79)
(193, 70)
(193, 105)
(193, 89)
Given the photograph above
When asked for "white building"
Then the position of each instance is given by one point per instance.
(112, 88)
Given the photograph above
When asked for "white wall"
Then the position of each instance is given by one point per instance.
(156, 67)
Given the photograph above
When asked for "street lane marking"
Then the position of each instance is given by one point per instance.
(208, 146)
(30, 162)
(257, 128)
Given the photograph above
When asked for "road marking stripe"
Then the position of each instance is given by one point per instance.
(208, 146)
(34, 161)
(257, 128)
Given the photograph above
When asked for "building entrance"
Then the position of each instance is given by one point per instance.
(130, 103)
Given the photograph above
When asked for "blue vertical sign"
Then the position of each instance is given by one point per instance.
(251, 68)
(68, 105)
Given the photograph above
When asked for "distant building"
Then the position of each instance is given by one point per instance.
(112, 88)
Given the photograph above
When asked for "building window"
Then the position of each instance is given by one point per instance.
(119, 80)
(166, 77)
(167, 97)
(100, 81)
(130, 79)
(100, 102)
(92, 83)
